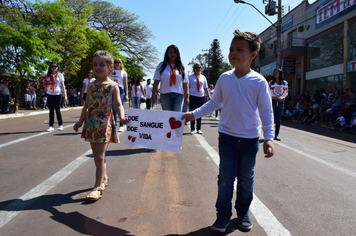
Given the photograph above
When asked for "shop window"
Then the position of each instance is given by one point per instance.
(326, 51)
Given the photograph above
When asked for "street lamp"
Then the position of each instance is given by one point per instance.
(278, 27)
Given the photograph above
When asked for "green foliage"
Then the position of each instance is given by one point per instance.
(70, 31)
(212, 62)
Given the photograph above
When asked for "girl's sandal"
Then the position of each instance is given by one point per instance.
(95, 194)
(105, 183)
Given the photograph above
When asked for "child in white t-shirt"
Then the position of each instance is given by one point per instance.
(244, 96)
(339, 122)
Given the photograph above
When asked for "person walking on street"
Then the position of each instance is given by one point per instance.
(198, 88)
(245, 97)
(148, 93)
(278, 103)
(86, 82)
(136, 92)
(54, 95)
(99, 127)
(174, 81)
(120, 77)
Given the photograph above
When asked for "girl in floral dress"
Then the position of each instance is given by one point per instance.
(99, 127)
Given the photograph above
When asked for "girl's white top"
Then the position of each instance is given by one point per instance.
(118, 76)
(165, 79)
(246, 105)
(193, 80)
(57, 85)
(139, 92)
(86, 82)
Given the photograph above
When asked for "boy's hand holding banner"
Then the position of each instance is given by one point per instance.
(161, 130)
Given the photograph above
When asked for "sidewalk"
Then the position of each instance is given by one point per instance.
(23, 112)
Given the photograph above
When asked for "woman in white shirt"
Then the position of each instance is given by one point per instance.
(120, 77)
(136, 92)
(86, 82)
(174, 81)
(198, 88)
(54, 95)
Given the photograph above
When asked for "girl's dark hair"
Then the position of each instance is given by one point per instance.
(178, 62)
(280, 76)
(49, 72)
(137, 82)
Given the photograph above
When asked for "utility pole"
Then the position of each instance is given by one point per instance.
(208, 50)
(279, 36)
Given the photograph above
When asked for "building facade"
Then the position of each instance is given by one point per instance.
(318, 46)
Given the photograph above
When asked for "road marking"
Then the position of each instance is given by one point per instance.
(263, 215)
(29, 137)
(20, 204)
(343, 170)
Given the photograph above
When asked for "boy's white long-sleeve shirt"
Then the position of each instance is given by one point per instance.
(245, 105)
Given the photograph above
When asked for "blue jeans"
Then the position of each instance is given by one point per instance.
(237, 160)
(172, 101)
(136, 102)
(122, 97)
(277, 115)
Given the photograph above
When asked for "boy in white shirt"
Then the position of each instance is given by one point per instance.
(244, 97)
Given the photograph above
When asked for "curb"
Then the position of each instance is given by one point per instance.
(32, 113)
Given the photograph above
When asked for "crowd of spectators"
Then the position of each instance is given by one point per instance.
(337, 109)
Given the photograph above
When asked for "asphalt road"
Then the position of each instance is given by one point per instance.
(307, 188)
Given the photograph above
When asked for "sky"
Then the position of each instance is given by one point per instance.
(193, 25)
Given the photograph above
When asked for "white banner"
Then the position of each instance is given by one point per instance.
(279, 91)
(161, 130)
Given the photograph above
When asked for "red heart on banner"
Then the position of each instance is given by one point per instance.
(175, 124)
(129, 137)
(169, 134)
(133, 139)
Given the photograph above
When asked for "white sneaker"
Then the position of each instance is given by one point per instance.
(199, 132)
(121, 129)
(51, 128)
(60, 128)
(192, 132)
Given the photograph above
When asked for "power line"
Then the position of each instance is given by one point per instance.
(219, 25)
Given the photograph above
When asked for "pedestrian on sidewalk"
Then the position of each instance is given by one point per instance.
(5, 95)
(174, 81)
(198, 88)
(278, 102)
(54, 95)
(99, 127)
(245, 97)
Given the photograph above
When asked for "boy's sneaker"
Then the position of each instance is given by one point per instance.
(245, 223)
(192, 132)
(51, 128)
(199, 132)
(121, 129)
(60, 128)
(221, 224)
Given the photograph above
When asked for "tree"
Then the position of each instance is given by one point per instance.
(213, 64)
(123, 28)
(216, 60)
(27, 36)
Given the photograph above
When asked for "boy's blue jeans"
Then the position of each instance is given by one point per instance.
(237, 160)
